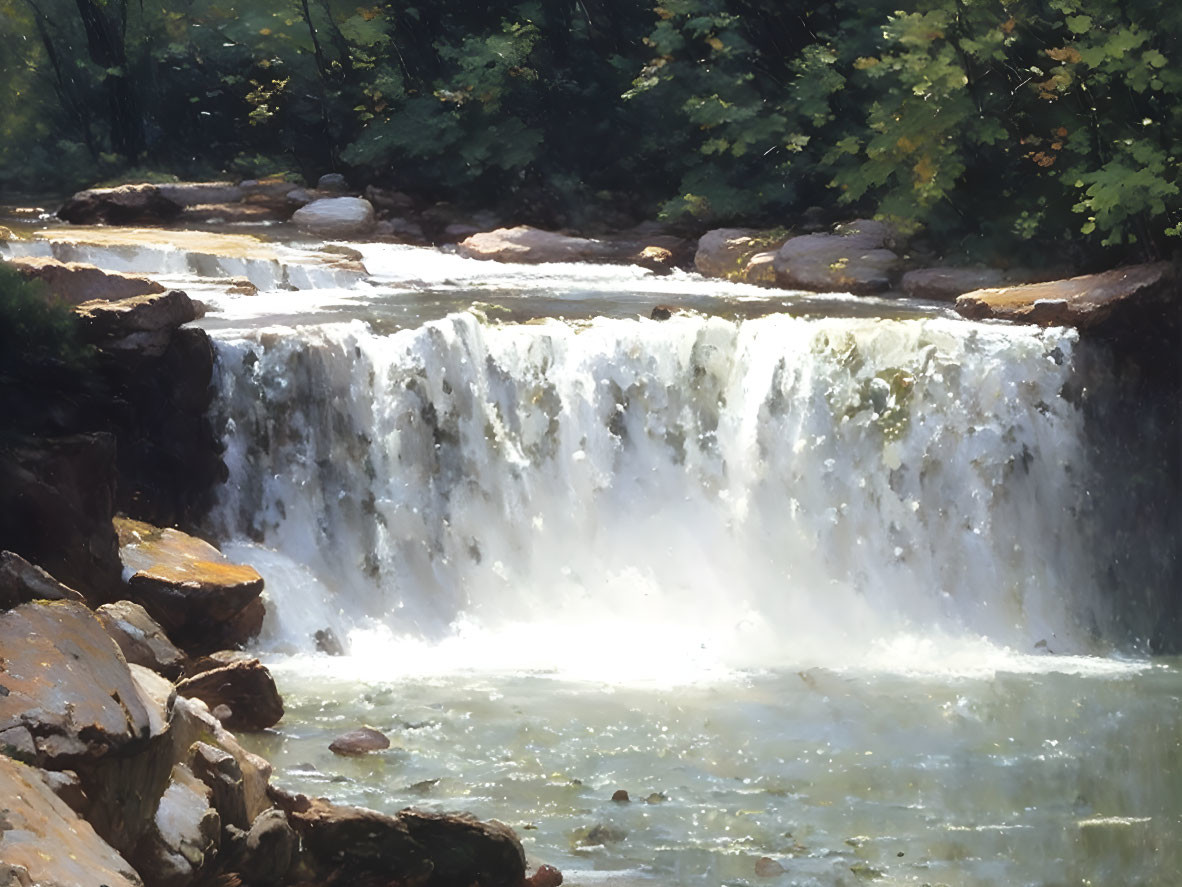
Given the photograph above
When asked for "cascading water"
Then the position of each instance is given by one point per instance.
(695, 492)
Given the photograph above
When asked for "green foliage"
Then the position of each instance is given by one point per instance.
(35, 331)
(988, 125)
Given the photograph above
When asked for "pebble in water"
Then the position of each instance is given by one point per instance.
(621, 796)
(359, 742)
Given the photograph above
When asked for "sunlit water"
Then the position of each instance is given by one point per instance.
(813, 579)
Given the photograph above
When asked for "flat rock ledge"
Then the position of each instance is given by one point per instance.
(1087, 303)
(78, 282)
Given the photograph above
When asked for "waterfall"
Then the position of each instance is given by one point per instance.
(774, 491)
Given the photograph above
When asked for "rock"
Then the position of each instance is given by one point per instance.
(620, 796)
(76, 282)
(457, 231)
(222, 775)
(656, 798)
(271, 846)
(655, 258)
(21, 582)
(332, 181)
(855, 259)
(662, 312)
(67, 786)
(336, 217)
(144, 323)
(56, 503)
(125, 205)
(945, 284)
(766, 867)
(192, 722)
(6, 234)
(723, 252)
(237, 213)
(184, 840)
(344, 845)
(600, 835)
(189, 194)
(1088, 303)
(359, 742)
(532, 246)
(327, 642)
(760, 269)
(390, 202)
(41, 837)
(246, 687)
(186, 584)
(240, 286)
(466, 850)
(140, 638)
(67, 685)
(545, 876)
(401, 231)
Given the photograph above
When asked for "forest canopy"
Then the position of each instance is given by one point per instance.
(1029, 122)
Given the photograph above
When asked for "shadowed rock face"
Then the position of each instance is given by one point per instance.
(47, 841)
(21, 582)
(125, 205)
(245, 687)
(140, 638)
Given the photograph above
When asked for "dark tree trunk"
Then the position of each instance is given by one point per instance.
(105, 25)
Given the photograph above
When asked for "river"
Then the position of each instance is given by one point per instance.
(820, 582)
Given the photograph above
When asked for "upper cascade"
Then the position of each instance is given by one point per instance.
(775, 491)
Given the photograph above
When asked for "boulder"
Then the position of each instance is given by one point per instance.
(655, 258)
(183, 842)
(854, 259)
(125, 205)
(80, 707)
(140, 638)
(465, 850)
(724, 252)
(1088, 303)
(186, 585)
(189, 194)
(21, 582)
(56, 502)
(77, 282)
(760, 269)
(401, 230)
(336, 217)
(6, 234)
(332, 181)
(143, 324)
(359, 742)
(44, 842)
(347, 845)
(945, 284)
(222, 775)
(270, 848)
(245, 687)
(532, 246)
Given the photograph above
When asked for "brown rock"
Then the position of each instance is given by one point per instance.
(246, 687)
(140, 638)
(545, 876)
(125, 205)
(66, 682)
(1087, 303)
(222, 775)
(56, 503)
(271, 846)
(532, 246)
(855, 259)
(77, 282)
(47, 841)
(359, 742)
(186, 584)
(654, 258)
(620, 796)
(760, 269)
(945, 284)
(766, 867)
(188, 194)
(725, 252)
(345, 845)
(183, 842)
(21, 582)
(465, 850)
(122, 324)
(67, 786)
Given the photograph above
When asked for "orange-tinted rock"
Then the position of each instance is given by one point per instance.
(48, 841)
(1086, 302)
(187, 585)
